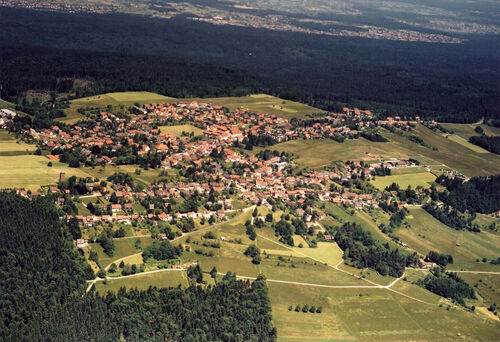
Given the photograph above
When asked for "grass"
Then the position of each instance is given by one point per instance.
(146, 176)
(307, 154)
(6, 104)
(426, 233)
(10, 146)
(369, 314)
(144, 281)
(467, 130)
(449, 152)
(31, 172)
(177, 130)
(110, 99)
(424, 179)
(262, 103)
(463, 142)
(123, 248)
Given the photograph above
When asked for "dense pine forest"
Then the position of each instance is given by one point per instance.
(42, 279)
(181, 58)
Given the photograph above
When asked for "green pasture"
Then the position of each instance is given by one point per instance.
(463, 142)
(31, 172)
(123, 248)
(424, 179)
(10, 146)
(467, 130)
(144, 281)
(426, 234)
(178, 129)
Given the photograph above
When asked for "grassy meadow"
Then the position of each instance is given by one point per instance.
(426, 234)
(467, 130)
(144, 281)
(110, 99)
(10, 146)
(261, 103)
(178, 129)
(423, 178)
(31, 172)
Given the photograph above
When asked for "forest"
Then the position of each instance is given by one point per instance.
(448, 284)
(42, 278)
(363, 251)
(124, 52)
(479, 194)
(491, 144)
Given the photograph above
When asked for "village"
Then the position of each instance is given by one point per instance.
(215, 168)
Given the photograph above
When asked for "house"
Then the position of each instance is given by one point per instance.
(80, 243)
(116, 207)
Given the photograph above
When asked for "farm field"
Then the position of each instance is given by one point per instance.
(178, 129)
(424, 179)
(370, 315)
(463, 142)
(123, 248)
(31, 172)
(146, 176)
(262, 103)
(467, 130)
(451, 153)
(426, 234)
(144, 281)
(10, 146)
(111, 99)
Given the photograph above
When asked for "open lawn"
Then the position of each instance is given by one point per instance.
(467, 130)
(451, 153)
(144, 281)
(370, 315)
(30, 172)
(463, 142)
(6, 104)
(145, 177)
(424, 179)
(110, 99)
(262, 103)
(10, 146)
(123, 248)
(178, 129)
(321, 153)
(426, 234)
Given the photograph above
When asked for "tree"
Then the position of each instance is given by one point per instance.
(305, 308)
(297, 308)
(122, 264)
(256, 259)
(312, 309)
(195, 273)
(255, 213)
(319, 309)
(74, 228)
(290, 308)
(269, 217)
(213, 272)
(252, 251)
(112, 268)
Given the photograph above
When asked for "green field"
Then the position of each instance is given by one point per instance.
(467, 130)
(449, 152)
(146, 176)
(424, 179)
(465, 143)
(123, 248)
(111, 99)
(426, 233)
(6, 104)
(370, 315)
(262, 103)
(10, 146)
(177, 130)
(144, 281)
(30, 172)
